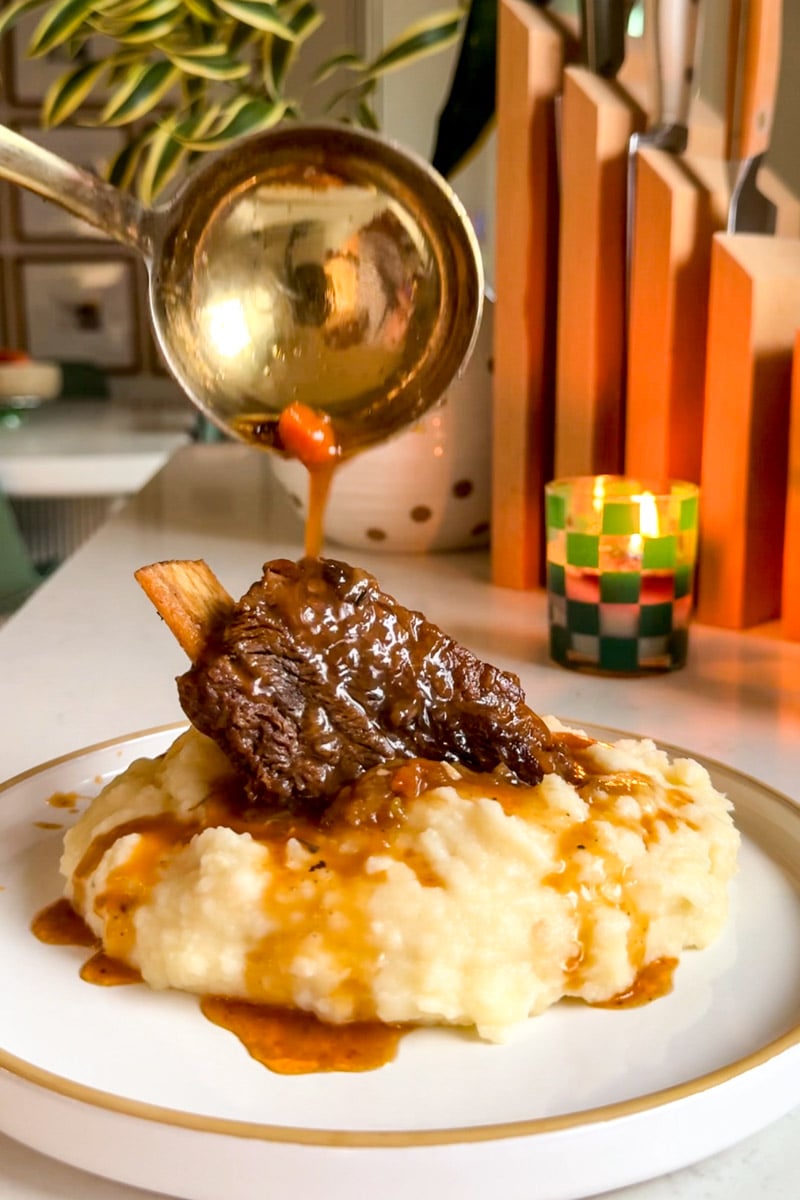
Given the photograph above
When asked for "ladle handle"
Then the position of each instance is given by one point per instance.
(117, 213)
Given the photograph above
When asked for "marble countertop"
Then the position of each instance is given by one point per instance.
(83, 661)
(89, 447)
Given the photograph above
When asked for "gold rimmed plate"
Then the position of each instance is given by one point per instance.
(137, 1086)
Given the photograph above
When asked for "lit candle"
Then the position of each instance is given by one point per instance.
(620, 568)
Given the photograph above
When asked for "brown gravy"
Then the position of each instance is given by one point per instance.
(108, 972)
(652, 981)
(68, 800)
(60, 925)
(303, 433)
(287, 1041)
(291, 1042)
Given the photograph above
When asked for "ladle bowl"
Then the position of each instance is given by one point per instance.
(313, 264)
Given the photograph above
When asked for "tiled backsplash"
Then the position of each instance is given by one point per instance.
(66, 292)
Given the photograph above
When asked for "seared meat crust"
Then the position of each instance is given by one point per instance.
(317, 675)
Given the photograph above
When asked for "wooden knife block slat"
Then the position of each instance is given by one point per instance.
(597, 122)
(790, 606)
(680, 204)
(530, 66)
(753, 318)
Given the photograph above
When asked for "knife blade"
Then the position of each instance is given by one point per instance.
(756, 43)
(674, 24)
(603, 26)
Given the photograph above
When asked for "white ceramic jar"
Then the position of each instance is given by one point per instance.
(427, 489)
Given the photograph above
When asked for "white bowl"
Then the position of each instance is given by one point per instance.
(429, 488)
(29, 383)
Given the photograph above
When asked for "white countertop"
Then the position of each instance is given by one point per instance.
(89, 447)
(85, 660)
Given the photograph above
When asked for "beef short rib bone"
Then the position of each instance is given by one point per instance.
(189, 597)
(316, 675)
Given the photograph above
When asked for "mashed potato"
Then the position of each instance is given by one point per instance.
(476, 910)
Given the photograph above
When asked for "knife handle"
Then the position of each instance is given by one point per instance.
(603, 27)
(758, 48)
(676, 41)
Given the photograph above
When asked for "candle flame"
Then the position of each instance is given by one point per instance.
(648, 522)
(648, 515)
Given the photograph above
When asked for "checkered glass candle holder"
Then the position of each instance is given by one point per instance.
(620, 570)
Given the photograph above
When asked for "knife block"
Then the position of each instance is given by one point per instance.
(679, 207)
(598, 119)
(754, 308)
(790, 607)
(531, 53)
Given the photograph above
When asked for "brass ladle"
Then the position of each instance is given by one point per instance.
(312, 264)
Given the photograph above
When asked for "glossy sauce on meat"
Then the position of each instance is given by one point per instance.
(316, 675)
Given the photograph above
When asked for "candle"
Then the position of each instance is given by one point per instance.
(620, 572)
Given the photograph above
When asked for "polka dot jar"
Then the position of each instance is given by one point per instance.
(427, 489)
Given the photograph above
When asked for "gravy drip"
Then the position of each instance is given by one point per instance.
(291, 1042)
(303, 433)
(108, 972)
(285, 1040)
(653, 980)
(59, 925)
(319, 486)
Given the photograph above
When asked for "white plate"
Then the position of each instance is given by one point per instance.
(138, 1086)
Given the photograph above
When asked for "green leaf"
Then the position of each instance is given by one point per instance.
(203, 10)
(240, 36)
(366, 115)
(142, 10)
(469, 107)
(142, 90)
(427, 36)
(161, 160)
(122, 169)
(59, 24)
(259, 14)
(187, 49)
(206, 65)
(13, 12)
(305, 20)
(69, 92)
(121, 63)
(245, 116)
(347, 59)
(141, 33)
(168, 151)
(278, 54)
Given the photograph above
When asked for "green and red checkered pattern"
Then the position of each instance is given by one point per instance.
(610, 611)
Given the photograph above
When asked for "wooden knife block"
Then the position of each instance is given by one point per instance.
(790, 606)
(754, 311)
(700, 388)
(530, 66)
(598, 120)
(680, 204)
